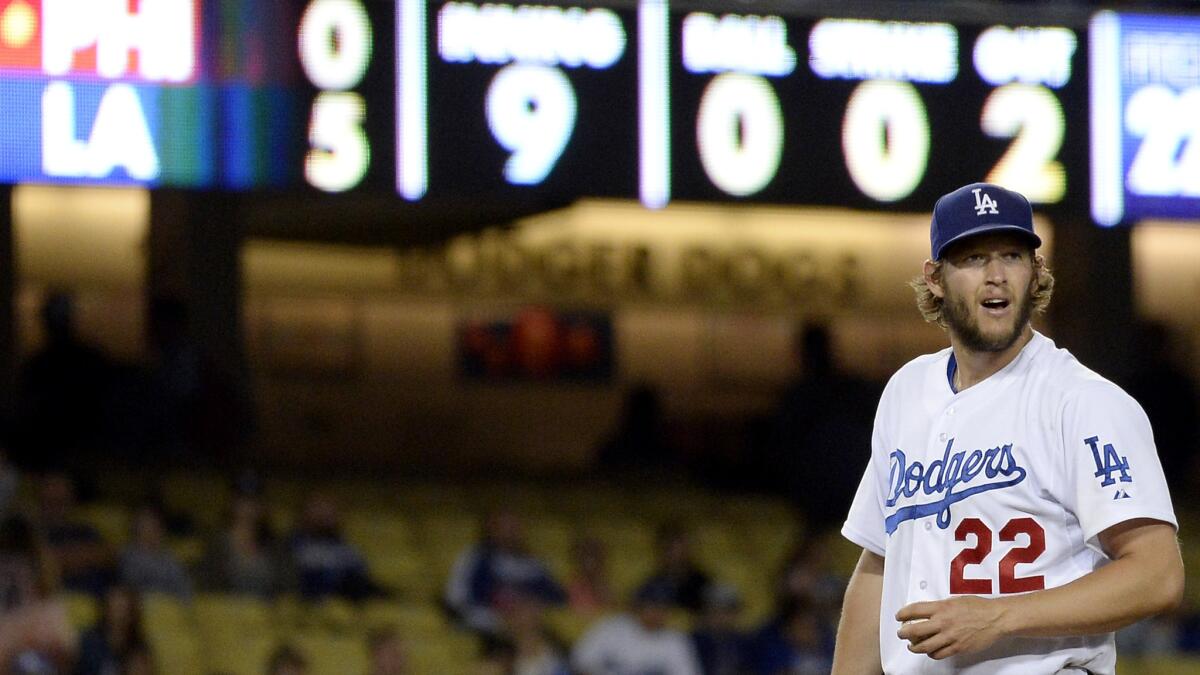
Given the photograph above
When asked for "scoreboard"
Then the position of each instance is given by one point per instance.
(432, 99)
(1145, 117)
(656, 104)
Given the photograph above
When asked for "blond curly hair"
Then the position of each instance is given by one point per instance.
(930, 305)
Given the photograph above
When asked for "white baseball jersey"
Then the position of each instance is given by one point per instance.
(1001, 488)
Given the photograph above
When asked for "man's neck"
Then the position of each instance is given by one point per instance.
(974, 367)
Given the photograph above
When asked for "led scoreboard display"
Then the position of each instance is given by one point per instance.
(1145, 117)
(872, 112)
(431, 99)
(663, 105)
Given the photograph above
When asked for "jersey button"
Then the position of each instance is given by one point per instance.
(942, 436)
(923, 585)
(928, 526)
(950, 410)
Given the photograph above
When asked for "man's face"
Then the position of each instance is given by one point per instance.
(987, 283)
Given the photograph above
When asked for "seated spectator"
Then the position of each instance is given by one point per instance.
(147, 565)
(807, 576)
(589, 592)
(287, 660)
(676, 569)
(244, 558)
(325, 564)
(722, 647)
(500, 559)
(639, 642)
(84, 560)
(795, 643)
(388, 653)
(117, 639)
(35, 635)
(534, 650)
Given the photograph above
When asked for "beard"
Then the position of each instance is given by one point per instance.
(963, 323)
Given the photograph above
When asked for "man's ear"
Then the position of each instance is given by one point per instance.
(933, 279)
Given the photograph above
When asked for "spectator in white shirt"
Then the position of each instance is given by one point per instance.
(639, 642)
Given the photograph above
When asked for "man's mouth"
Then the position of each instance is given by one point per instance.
(995, 306)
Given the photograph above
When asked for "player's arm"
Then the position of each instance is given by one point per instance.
(1144, 578)
(857, 648)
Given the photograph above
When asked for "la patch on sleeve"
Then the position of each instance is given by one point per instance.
(1108, 464)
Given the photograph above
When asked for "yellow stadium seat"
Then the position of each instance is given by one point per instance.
(331, 654)
(204, 497)
(410, 619)
(408, 573)
(189, 550)
(627, 572)
(843, 555)
(567, 625)
(247, 655)
(166, 612)
(220, 617)
(333, 615)
(176, 652)
(452, 654)
(374, 528)
(83, 611)
(444, 536)
(111, 520)
(550, 538)
(1159, 665)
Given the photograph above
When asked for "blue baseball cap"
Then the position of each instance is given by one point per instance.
(979, 208)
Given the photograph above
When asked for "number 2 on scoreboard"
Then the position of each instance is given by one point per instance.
(975, 555)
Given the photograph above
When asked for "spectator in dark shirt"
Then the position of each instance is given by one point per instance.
(325, 564)
(62, 388)
(722, 647)
(244, 557)
(677, 568)
(501, 559)
(825, 417)
(117, 639)
(795, 643)
(85, 561)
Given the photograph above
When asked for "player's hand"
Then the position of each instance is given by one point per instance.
(945, 628)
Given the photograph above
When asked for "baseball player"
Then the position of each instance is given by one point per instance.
(1014, 512)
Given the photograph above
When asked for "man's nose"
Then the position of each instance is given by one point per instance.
(996, 270)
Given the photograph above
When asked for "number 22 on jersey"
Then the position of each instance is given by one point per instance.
(960, 583)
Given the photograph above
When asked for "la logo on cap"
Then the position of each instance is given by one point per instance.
(984, 203)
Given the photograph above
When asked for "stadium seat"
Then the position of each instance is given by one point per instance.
(568, 626)
(176, 652)
(333, 616)
(203, 497)
(409, 618)
(166, 612)
(248, 655)
(83, 611)
(229, 617)
(1159, 665)
(110, 519)
(331, 654)
(451, 654)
